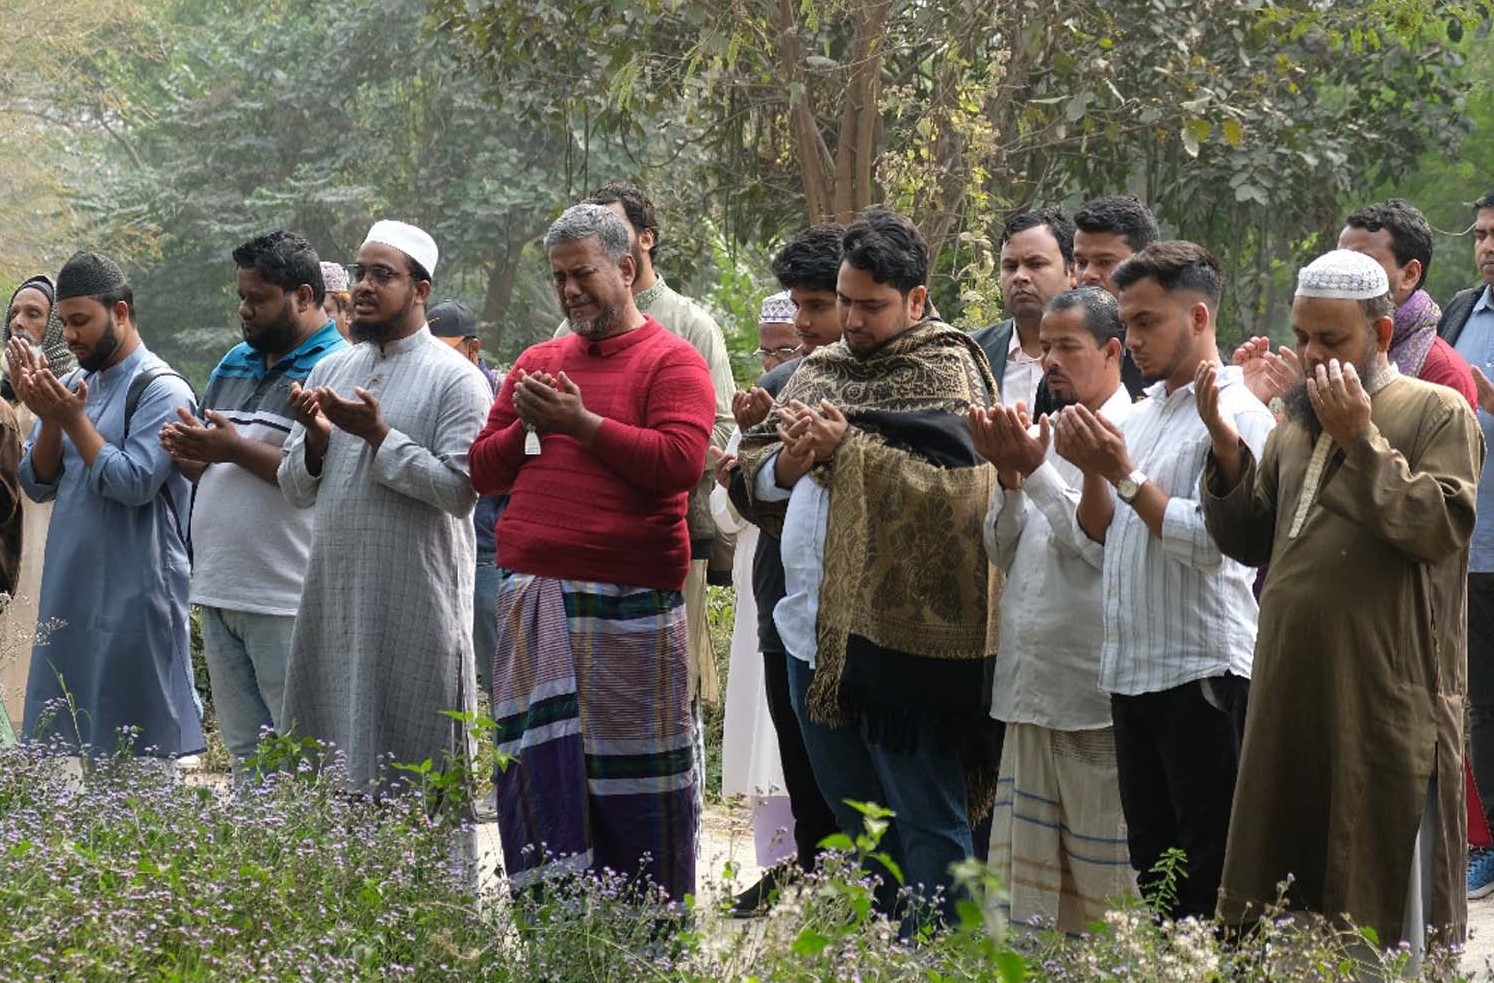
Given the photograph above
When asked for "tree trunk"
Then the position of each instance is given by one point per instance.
(500, 293)
(809, 146)
(856, 151)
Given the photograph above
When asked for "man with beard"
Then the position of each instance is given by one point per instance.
(683, 317)
(1351, 781)
(249, 552)
(866, 465)
(597, 438)
(114, 584)
(1179, 617)
(1058, 842)
(382, 645)
(1037, 264)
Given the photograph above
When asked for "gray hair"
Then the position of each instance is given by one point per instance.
(1101, 312)
(1374, 308)
(585, 221)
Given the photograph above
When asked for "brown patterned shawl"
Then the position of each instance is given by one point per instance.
(907, 609)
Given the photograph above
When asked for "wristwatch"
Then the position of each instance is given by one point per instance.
(1130, 486)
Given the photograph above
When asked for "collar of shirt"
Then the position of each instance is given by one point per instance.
(409, 343)
(645, 299)
(252, 361)
(1485, 301)
(618, 342)
(1227, 375)
(1014, 352)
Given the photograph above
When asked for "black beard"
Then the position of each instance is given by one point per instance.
(1057, 402)
(278, 338)
(103, 351)
(1299, 409)
(377, 332)
(600, 326)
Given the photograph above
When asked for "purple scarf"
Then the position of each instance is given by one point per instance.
(1415, 330)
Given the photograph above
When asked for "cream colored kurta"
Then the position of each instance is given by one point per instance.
(1360, 666)
(18, 624)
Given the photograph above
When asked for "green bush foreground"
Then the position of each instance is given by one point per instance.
(126, 874)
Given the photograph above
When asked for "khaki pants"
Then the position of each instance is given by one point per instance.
(705, 683)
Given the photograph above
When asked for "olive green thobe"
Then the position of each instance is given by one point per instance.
(1356, 702)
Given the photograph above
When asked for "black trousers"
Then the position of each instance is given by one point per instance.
(1176, 754)
(1481, 684)
(813, 820)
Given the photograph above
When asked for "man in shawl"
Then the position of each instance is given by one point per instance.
(114, 586)
(597, 437)
(866, 466)
(383, 640)
(1351, 779)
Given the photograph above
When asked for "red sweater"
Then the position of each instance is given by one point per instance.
(1444, 366)
(613, 512)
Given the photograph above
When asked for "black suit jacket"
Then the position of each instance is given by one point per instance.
(1455, 315)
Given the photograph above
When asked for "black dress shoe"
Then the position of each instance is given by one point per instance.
(757, 899)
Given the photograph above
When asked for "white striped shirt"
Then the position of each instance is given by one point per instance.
(1176, 609)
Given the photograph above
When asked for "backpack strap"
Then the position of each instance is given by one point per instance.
(138, 385)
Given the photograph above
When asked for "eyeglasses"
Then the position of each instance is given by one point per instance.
(380, 275)
(786, 352)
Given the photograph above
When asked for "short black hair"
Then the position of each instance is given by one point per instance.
(284, 259)
(1482, 202)
(889, 247)
(1054, 218)
(1124, 215)
(811, 259)
(637, 205)
(1410, 232)
(1176, 265)
(417, 272)
(1101, 312)
(124, 292)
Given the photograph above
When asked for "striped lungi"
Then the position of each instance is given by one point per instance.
(591, 696)
(1058, 837)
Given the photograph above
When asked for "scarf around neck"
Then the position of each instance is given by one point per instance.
(1415, 331)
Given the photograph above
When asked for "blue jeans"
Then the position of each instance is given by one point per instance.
(485, 617)
(926, 790)
(246, 660)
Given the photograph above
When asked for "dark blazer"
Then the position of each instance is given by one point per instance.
(996, 341)
(1455, 315)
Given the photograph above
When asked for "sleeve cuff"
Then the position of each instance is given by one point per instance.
(765, 485)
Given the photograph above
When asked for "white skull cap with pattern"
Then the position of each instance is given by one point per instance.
(411, 240)
(1343, 275)
(777, 309)
(334, 277)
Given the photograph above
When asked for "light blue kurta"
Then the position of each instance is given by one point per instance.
(113, 619)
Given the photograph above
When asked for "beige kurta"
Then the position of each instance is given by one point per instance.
(18, 623)
(1357, 698)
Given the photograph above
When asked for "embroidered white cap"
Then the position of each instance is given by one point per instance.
(411, 240)
(1343, 275)
(777, 309)
(334, 277)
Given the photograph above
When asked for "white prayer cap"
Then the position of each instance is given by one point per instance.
(777, 309)
(414, 242)
(1343, 275)
(334, 277)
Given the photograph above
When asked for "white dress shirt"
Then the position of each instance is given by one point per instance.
(1176, 609)
(1048, 662)
(802, 547)
(1020, 378)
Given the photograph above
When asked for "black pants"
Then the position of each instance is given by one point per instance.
(1481, 684)
(813, 820)
(1177, 760)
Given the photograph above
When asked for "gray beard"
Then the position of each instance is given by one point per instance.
(1299, 408)
(600, 326)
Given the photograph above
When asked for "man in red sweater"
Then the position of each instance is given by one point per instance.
(597, 438)
(1396, 235)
